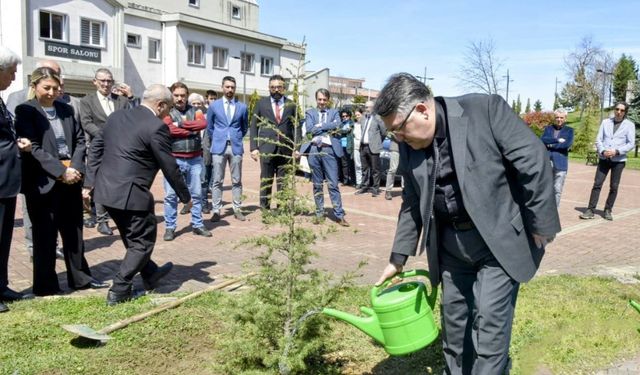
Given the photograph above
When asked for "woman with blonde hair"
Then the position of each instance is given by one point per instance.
(51, 183)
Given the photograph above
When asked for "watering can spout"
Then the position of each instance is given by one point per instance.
(369, 324)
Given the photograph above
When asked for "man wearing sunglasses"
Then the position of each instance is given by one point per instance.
(615, 138)
(479, 192)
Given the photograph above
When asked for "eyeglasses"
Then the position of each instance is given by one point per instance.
(404, 123)
(276, 88)
(620, 110)
(105, 81)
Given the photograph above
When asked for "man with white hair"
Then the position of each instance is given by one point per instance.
(122, 170)
(558, 138)
(10, 174)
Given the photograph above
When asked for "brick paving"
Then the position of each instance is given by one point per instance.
(583, 247)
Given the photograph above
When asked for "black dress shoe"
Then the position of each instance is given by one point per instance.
(215, 217)
(362, 191)
(103, 228)
(89, 223)
(3, 307)
(10, 295)
(185, 209)
(239, 215)
(162, 271)
(96, 284)
(206, 210)
(375, 192)
(114, 298)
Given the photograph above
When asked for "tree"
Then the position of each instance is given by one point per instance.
(537, 106)
(527, 109)
(480, 70)
(581, 65)
(359, 99)
(513, 106)
(556, 102)
(626, 70)
(518, 105)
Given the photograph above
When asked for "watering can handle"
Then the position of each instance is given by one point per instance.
(376, 290)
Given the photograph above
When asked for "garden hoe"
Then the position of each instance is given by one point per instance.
(85, 331)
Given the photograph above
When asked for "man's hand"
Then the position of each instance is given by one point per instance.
(71, 176)
(24, 144)
(296, 154)
(542, 241)
(389, 271)
(255, 155)
(561, 140)
(86, 192)
(609, 153)
(126, 90)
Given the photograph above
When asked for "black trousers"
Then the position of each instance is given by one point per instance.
(7, 214)
(138, 231)
(370, 167)
(270, 166)
(601, 174)
(59, 210)
(347, 171)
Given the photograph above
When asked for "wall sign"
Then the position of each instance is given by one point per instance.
(72, 52)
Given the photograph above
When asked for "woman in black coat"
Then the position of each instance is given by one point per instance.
(51, 183)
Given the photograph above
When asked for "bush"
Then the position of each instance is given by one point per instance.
(538, 120)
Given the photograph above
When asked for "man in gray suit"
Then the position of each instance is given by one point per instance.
(479, 189)
(373, 133)
(94, 110)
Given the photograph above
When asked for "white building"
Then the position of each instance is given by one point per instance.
(147, 41)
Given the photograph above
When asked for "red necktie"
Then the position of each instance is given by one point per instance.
(278, 112)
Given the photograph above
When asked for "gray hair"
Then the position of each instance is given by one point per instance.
(157, 93)
(195, 96)
(103, 70)
(50, 64)
(8, 58)
(560, 111)
(400, 94)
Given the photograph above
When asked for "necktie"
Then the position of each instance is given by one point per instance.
(323, 117)
(228, 112)
(278, 118)
(7, 116)
(109, 105)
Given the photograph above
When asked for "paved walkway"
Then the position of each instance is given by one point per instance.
(583, 247)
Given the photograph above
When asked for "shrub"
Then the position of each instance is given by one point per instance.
(538, 120)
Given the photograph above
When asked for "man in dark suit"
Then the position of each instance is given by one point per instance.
(325, 151)
(10, 168)
(479, 189)
(94, 110)
(121, 171)
(373, 133)
(273, 148)
(227, 124)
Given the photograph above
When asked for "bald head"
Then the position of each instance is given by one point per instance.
(51, 64)
(158, 97)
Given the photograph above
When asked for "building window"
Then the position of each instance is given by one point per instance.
(194, 3)
(53, 26)
(266, 66)
(235, 12)
(154, 50)
(92, 33)
(196, 53)
(133, 40)
(220, 57)
(247, 62)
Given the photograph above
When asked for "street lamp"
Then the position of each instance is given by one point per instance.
(508, 80)
(604, 86)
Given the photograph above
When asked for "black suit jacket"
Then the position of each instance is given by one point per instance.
(9, 161)
(505, 179)
(260, 132)
(42, 167)
(125, 158)
(92, 116)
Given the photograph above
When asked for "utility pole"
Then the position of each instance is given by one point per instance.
(604, 86)
(508, 80)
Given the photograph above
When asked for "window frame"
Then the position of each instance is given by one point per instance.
(158, 43)
(202, 54)
(65, 26)
(236, 16)
(243, 55)
(103, 33)
(194, 3)
(138, 38)
(226, 58)
(262, 59)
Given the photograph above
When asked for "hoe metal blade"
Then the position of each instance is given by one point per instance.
(85, 331)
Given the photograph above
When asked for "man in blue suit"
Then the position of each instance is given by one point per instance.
(558, 138)
(227, 124)
(324, 152)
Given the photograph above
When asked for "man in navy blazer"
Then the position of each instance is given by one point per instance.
(558, 138)
(227, 124)
(324, 152)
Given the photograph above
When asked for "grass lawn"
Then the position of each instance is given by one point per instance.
(565, 324)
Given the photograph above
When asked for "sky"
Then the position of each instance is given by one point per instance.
(374, 39)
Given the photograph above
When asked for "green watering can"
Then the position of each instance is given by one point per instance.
(402, 316)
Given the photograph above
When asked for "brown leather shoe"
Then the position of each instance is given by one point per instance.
(343, 222)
